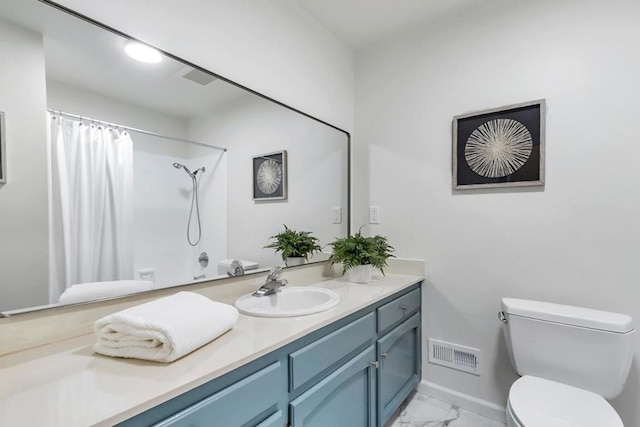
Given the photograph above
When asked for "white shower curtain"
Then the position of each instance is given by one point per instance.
(91, 206)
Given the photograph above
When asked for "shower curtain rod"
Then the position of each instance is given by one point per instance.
(75, 116)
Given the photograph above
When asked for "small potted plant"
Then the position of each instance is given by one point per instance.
(359, 255)
(296, 246)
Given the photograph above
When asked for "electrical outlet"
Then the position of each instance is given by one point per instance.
(337, 215)
(146, 274)
(374, 214)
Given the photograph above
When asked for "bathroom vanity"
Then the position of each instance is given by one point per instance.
(353, 372)
(351, 365)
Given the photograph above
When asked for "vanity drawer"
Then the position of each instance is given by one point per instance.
(398, 309)
(247, 401)
(315, 358)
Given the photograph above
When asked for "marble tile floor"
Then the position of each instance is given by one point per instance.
(420, 410)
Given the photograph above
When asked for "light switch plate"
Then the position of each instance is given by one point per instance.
(337, 215)
(374, 214)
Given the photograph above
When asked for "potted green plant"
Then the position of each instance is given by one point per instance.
(296, 246)
(359, 255)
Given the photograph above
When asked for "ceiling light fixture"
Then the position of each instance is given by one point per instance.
(143, 53)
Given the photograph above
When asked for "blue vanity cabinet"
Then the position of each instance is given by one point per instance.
(353, 372)
(344, 398)
(399, 371)
(398, 310)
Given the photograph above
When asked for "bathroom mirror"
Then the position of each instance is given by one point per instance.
(141, 175)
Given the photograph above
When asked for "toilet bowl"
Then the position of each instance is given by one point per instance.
(537, 402)
(571, 359)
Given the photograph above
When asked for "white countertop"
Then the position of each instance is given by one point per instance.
(66, 384)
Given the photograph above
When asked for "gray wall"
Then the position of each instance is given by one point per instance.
(24, 198)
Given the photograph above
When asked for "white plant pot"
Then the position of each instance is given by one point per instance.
(361, 274)
(295, 260)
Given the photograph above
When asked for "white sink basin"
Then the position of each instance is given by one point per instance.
(288, 302)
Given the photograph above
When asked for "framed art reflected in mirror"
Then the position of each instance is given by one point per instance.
(270, 176)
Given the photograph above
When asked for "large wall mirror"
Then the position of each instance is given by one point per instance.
(133, 175)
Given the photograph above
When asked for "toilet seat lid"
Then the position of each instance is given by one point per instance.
(537, 402)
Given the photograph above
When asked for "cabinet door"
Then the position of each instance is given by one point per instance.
(245, 403)
(399, 373)
(344, 398)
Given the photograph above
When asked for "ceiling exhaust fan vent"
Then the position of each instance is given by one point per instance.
(197, 76)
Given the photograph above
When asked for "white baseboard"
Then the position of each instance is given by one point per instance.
(464, 401)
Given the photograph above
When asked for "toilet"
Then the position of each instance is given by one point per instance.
(570, 359)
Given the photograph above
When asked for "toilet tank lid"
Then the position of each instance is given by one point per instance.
(568, 315)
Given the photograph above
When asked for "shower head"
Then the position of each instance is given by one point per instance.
(186, 169)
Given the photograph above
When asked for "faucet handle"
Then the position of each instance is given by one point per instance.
(274, 273)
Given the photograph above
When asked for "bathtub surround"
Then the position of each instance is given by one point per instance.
(100, 290)
(575, 241)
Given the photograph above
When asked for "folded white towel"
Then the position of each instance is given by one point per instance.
(165, 329)
(98, 290)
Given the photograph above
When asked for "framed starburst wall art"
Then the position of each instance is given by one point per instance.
(501, 147)
(270, 176)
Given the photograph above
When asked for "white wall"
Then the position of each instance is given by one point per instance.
(316, 155)
(574, 241)
(162, 194)
(24, 253)
(273, 47)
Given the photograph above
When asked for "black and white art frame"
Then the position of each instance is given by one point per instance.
(500, 147)
(270, 176)
(3, 152)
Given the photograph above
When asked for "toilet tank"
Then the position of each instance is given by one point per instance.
(585, 348)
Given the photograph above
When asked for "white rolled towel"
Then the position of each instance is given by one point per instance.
(165, 329)
(83, 292)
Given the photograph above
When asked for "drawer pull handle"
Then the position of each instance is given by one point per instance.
(404, 309)
(384, 355)
(376, 364)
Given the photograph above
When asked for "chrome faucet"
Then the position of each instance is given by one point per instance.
(237, 269)
(273, 283)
